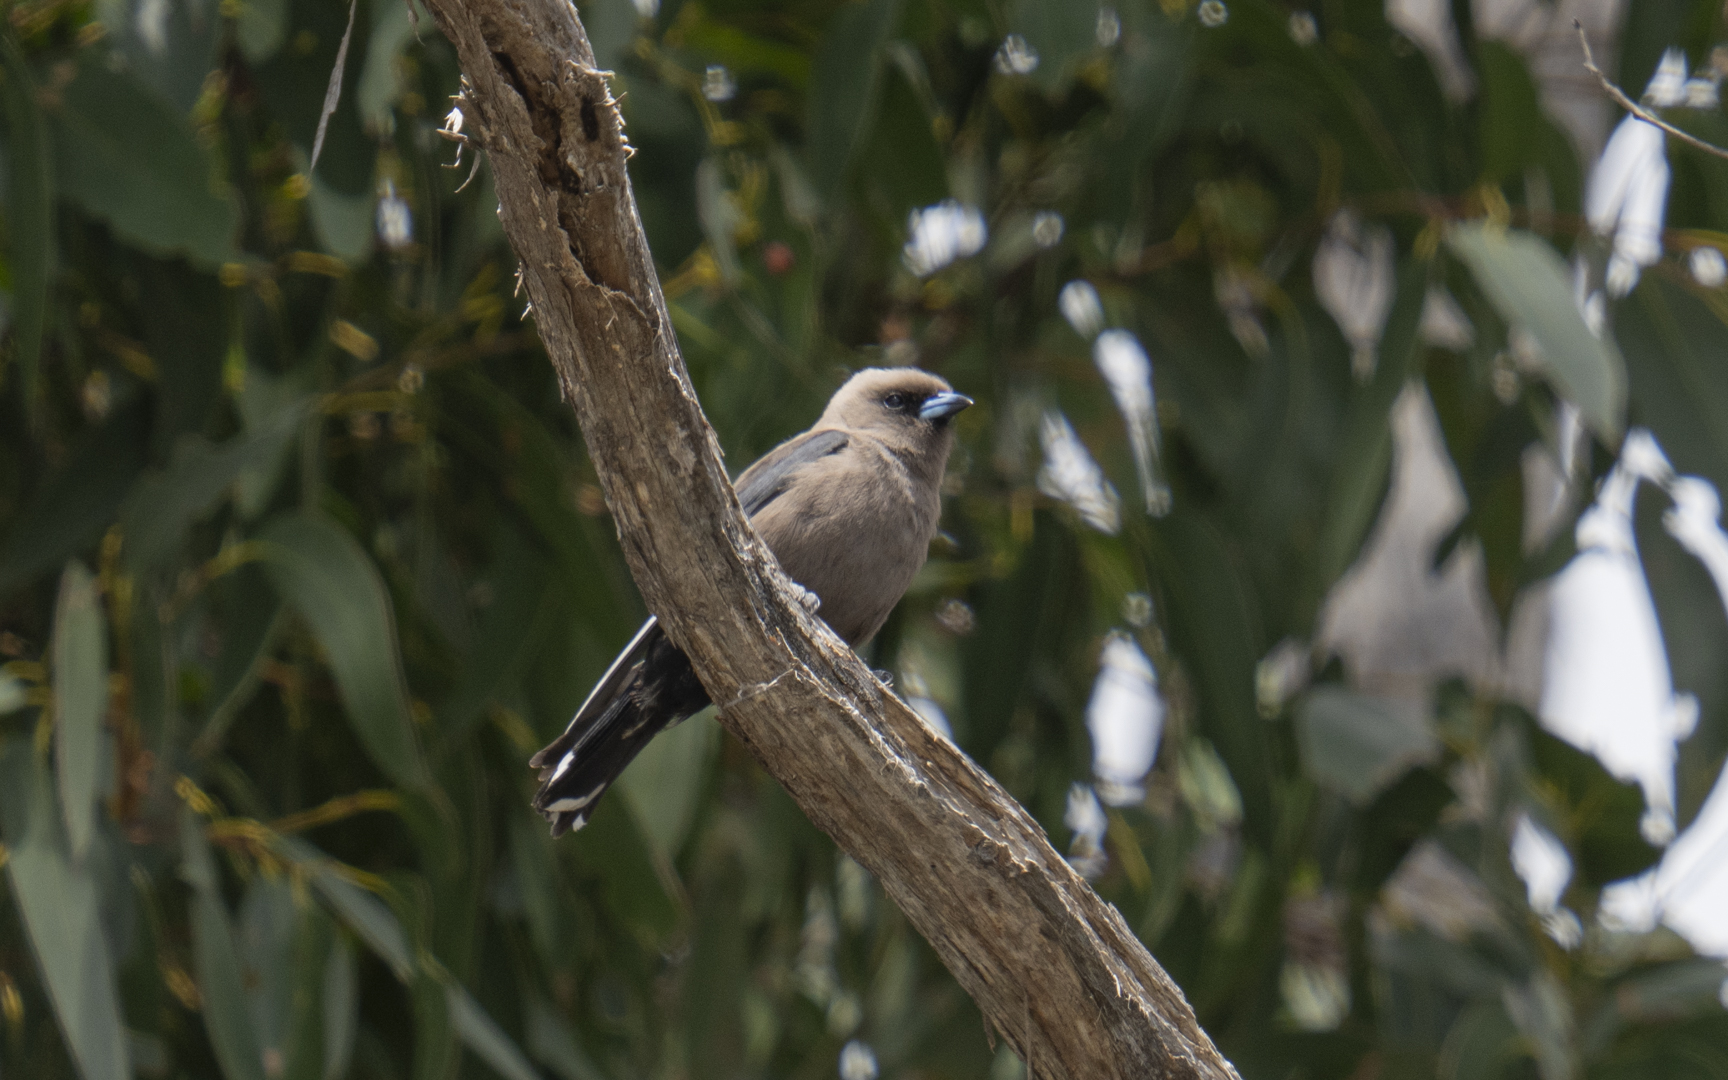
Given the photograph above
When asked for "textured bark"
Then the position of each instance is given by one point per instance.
(1054, 968)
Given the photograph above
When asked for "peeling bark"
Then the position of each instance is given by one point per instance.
(1055, 970)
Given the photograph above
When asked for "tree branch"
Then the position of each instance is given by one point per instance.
(1620, 99)
(1054, 968)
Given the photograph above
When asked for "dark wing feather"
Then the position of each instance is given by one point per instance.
(616, 679)
(768, 479)
(649, 688)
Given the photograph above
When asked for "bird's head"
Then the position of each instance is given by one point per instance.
(904, 407)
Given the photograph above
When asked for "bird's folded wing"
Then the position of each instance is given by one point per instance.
(768, 479)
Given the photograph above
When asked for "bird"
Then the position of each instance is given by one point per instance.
(848, 508)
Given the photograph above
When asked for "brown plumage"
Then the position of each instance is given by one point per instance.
(849, 508)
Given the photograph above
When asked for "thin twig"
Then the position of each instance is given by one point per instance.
(333, 92)
(336, 809)
(1633, 107)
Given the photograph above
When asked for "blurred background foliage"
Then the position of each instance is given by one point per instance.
(301, 557)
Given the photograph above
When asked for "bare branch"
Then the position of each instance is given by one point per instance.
(1633, 107)
(1055, 970)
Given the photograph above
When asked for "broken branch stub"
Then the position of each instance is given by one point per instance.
(1055, 969)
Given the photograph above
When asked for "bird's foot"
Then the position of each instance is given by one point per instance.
(885, 677)
(808, 600)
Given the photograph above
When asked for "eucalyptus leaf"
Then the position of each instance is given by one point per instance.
(324, 574)
(253, 620)
(1670, 992)
(155, 698)
(58, 904)
(1513, 111)
(295, 1039)
(341, 1006)
(435, 1050)
(1601, 814)
(376, 925)
(187, 346)
(1482, 1042)
(1529, 284)
(149, 1053)
(367, 916)
(261, 401)
(536, 877)
(166, 502)
(380, 84)
(552, 1043)
(1671, 335)
(802, 203)
(511, 626)
(664, 782)
(1358, 745)
(1543, 1014)
(126, 157)
(482, 1035)
(1210, 597)
(216, 962)
(265, 945)
(911, 173)
(80, 701)
(1359, 484)
(344, 222)
(633, 886)
(12, 693)
(169, 47)
(844, 87)
(719, 219)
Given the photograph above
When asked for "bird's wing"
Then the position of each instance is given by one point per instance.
(651, 685)
(609, 686)
(767, 480)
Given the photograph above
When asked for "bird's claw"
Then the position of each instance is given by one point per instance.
(808, 600)
(885, 677)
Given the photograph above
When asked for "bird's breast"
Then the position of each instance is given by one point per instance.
(855, 538)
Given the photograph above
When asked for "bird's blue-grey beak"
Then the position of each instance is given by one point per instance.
(942, 406)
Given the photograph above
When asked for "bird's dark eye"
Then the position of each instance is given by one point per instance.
(896, 401)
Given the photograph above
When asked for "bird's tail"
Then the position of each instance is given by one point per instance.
(649, 688)
(576, 770)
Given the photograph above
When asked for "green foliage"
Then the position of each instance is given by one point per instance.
(1529, 284)
(301, 556)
